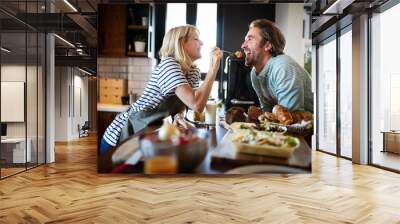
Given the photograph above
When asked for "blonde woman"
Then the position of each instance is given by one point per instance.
(174, 84)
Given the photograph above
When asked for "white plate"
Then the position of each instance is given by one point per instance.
(262, 169)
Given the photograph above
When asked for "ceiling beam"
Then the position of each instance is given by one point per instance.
(78, 61)
(84, 24)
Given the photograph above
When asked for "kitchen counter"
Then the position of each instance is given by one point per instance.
(111, 107)
(106, 114)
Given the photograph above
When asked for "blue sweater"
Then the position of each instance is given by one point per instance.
(282, 81)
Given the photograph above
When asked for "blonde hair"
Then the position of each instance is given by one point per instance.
(172, 45)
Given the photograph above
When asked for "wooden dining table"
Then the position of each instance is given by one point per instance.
(219, 159)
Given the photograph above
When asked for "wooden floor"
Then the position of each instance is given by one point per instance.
(10, 171)
(70, 191)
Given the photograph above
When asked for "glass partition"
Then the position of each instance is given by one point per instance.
(13, 95)
(22, 88)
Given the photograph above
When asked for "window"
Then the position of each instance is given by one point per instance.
(206, 22)
(207, 25)
(176, 15)
(327, 97)
(385, 87)
(346, 94)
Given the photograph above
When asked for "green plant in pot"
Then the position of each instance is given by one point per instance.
(140, 43)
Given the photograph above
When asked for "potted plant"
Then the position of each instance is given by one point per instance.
(140, 43)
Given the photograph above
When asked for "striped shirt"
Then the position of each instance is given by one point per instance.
(166, 77)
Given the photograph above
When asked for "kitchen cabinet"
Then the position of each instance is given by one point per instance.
(120, 25)
(106, 114)
(111, 30)
(112, 90)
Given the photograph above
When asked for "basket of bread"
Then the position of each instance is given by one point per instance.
(297, 122)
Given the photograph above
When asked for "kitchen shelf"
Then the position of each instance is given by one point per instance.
(137, 30)
(137, 27)
(136, 54)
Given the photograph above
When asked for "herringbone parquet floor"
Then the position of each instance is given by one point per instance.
(70, 191)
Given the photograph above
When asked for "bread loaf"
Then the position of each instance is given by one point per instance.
(235, 114)
(253, 113)
(282, 114)
(299, 116)
(268, 116)
(307, 116)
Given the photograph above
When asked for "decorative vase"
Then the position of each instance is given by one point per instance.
(140, 46)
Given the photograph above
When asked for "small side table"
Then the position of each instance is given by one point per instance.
(391, 141)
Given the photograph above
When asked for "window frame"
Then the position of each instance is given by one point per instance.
(335, 36)
(378, 10)
(191, 18)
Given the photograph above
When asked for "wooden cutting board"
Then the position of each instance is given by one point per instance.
(226, 155)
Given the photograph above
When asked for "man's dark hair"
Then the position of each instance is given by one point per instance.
(270, 33)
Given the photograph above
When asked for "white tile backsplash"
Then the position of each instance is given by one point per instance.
(124, 61)
(141, 61)
(101, 61)
(146, 69)
(112, 61)
(119, 68)
(140, 77)
(105, 68)
(136, 70)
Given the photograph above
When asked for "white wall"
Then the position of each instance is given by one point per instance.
(289, 18)
(17, 73)
(67, 114)
(79, 117)
(14, 73)
(61, 103)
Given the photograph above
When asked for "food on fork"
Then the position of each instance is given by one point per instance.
(239, 54)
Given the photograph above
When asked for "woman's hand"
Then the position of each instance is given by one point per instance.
(197, 99)
(215, 56)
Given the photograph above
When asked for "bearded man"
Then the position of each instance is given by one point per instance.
(276, 77)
